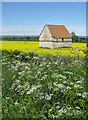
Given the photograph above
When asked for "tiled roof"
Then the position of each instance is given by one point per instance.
(59, 31)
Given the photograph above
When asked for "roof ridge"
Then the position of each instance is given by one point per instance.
(56, 25)
(59, 31)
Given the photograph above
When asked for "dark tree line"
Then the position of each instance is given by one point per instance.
(75, 38)
(27, 38)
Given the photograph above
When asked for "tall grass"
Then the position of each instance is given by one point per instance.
(43, 86)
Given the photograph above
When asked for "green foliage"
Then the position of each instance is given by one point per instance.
(6, 38)
(43, 86)
(13, 38)
(75, 38)
(82, 40)
(26, 38)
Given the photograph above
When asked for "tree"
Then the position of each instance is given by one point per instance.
(14, 38)
(5, 38)
(75, 38)
(27, 38)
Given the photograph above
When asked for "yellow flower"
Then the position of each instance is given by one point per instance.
(77, 48)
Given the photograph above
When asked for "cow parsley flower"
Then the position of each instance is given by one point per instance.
(68, 88)
(79, 94)
(76, 86)
(77, 107)
(79, 82)
(16, 103)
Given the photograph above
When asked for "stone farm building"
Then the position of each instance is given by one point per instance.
(55, 36)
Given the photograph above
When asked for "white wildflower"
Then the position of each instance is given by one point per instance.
(27, 68)
(33, 88)
(19, 86)
(50, 110)
(14, 76)
(79, 82)
(77, 107)
(59, 85)
(71, 83)
(23, 108)
(65, 82)
(58, 107)
(17, 81)
(62, 110)
(48, 97)
(79, 94)
(17, 56)
(7, 98)
(16, 103)
(84, 94)
(68, 72)
(68, 87)
(28, 92)
(27, 57)
(76, 86)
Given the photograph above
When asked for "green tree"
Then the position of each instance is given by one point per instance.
(27, 38)
(5, 38)
(75, 38)
(14, 38)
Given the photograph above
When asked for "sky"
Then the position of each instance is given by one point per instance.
(44, 0)
(29, 18)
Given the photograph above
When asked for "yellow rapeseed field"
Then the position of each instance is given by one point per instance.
(77, 48)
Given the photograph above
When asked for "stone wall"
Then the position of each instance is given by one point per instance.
(55, 44)
(45, 35)
(62, 44)
(46, 44)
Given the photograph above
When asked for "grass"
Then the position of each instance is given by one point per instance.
(37, 85)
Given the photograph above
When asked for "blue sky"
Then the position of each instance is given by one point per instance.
(29, 18)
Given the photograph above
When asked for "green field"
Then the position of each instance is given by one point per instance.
(41, 86)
